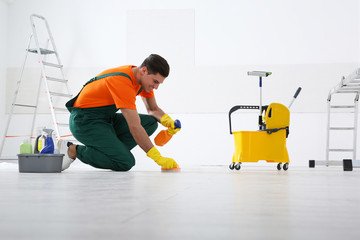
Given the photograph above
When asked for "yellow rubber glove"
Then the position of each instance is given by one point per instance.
(166, 163)
(166, 121)
(172, 131)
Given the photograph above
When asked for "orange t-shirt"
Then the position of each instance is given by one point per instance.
(118, 90)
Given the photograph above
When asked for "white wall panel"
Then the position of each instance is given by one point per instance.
(277, 32)
(168, 32)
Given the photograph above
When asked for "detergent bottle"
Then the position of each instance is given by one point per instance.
(49, 143)
(38, 142)
(26, 147)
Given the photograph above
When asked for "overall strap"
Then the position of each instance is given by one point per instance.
(140, 90)
(107, 75)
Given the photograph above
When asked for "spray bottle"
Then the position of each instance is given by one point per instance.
(163, 137)
(49, 143)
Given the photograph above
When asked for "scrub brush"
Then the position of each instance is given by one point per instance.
(175, 169)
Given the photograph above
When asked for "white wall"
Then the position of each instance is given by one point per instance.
(3, 62)
(304, 43)
(210, 46)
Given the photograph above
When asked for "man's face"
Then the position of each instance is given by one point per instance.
(151, 81)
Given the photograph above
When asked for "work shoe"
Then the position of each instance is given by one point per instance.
(63, 147)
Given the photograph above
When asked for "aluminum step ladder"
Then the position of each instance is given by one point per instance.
(43, 53)
(348, 85)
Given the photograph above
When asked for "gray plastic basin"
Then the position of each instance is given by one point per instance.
(40, 163)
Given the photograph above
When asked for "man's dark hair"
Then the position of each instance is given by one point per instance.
(156, 64)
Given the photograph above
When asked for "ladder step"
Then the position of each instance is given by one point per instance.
(56, 79)
(344, 106)
(347, 91)
(60, 109)
(342, 128)
(52, 64)
(24, 105)
(42, 51)
(60, 94)
(62, 124)
(353, 84)
(340, 150)
(70, 139)
(350, 88)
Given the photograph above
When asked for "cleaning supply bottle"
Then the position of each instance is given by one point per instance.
(163, 137)
(49, 143)
(38, 144)
(25, 147)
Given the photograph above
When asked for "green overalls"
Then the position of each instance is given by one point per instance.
(105, 134)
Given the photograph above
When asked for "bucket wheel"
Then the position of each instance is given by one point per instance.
(232, 166)
(286, 166)
(237, 166)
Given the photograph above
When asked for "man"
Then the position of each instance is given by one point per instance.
(108, 136)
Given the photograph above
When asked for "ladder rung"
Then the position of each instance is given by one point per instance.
(342, 128)
(60, 109)
(56, 79)
(62, 124)
(340, 150)
(52, 64)
(351, 86)
(60, 94)
(351, 89)
(344, 106)
(24, 105)
(42, 51)
(70, 139)
(347, 91)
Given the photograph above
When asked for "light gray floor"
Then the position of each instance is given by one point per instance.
(206, 202)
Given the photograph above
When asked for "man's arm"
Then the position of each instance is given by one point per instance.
(152, 108)
(136, 129)
(143, 140)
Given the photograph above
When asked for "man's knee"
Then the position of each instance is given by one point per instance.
(124, 164)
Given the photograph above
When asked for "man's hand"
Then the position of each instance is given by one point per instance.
(154, 110)
(172, 131)
(173, 126)
(166, 163)
(166, 121)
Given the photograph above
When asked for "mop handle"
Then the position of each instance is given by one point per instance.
(260, 106)
(260, 74)
(295, 96)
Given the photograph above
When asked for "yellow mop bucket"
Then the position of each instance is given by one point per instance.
(269, 142)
